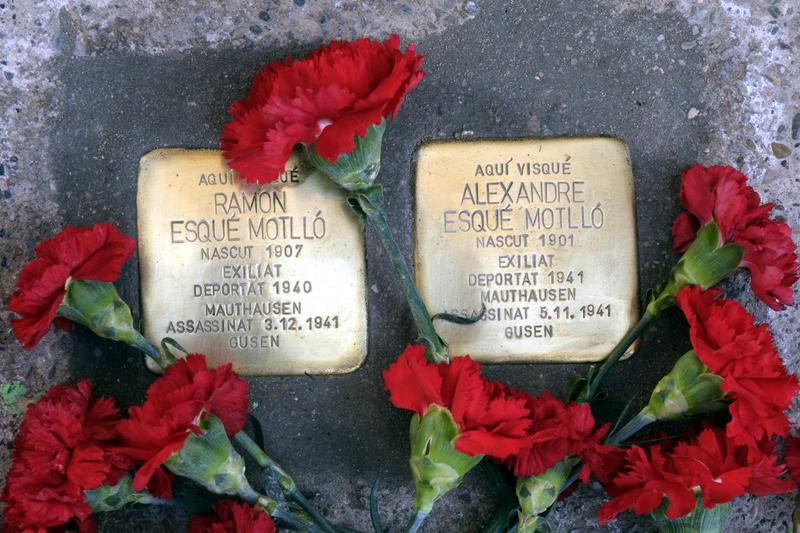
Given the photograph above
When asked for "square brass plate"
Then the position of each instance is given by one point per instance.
(270, 278)
(542, 232)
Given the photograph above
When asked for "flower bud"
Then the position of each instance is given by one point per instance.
(436, 465)
(705, 263)
(358, 169)
(97, 305)
(208, 458)
(700, 520)
(537, 493)
(689, 389)
(108, 498)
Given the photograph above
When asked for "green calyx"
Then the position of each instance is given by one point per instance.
(700, 520)
(107, 498)
(537, 493)
(436, 465)
(358, 169)
(208, 458)
(707, 261)
(689, 389)
(97, 305)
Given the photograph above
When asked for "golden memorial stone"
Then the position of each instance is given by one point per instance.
(538, 232)
(271, 278)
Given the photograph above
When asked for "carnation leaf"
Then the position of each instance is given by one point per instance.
(462, 320)
(167, 343)
(577, 389)
(374, 515)
(258, 431)
(13, 391)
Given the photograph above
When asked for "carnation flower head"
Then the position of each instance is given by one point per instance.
(491, 419)
(231, 516)
(727, 340)
(324, 102)
(175, 405)
(66, 446)
(460, 417)
(711, 463)
(559, 429)
(93, 253)
(721, 194)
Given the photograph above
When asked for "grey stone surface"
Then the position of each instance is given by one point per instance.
(88, 87)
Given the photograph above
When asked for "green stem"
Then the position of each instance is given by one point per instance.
(285, 481)
(149, 349)
(573, 477)
(279, 511)
(294, 521)
(416, 521)
(642, 419)
(437, 350)
(616, 353)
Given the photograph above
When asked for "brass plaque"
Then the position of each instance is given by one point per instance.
(270, 278)
(542, 232)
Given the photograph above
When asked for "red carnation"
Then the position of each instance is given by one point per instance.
(175, 405)
(324, 101)
(64, 447)
(721, 193)
(231, 516)
(560, 429)
(547, 441)
(96, 253)
(727, 340)
(491, 419)
(711, 463)
(586, 442)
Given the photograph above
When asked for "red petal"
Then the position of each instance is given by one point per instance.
(684, 231)
(413, 382)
